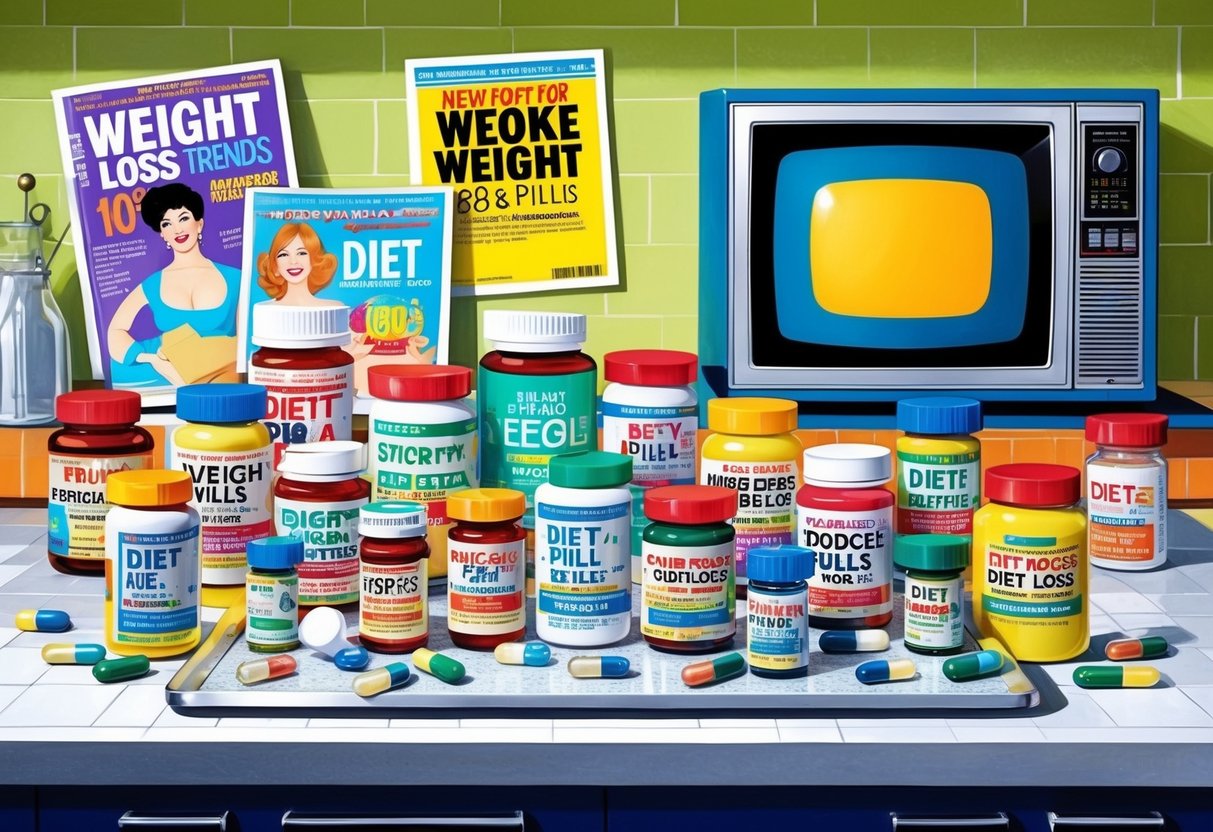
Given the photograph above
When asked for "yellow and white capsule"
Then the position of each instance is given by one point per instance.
(885, 670)
(599, 667)
(381, 678)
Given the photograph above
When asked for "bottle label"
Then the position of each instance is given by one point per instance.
(329, 531)
(1033, 581)
(660, 440)
(155, 587)
(854, 552)
(232, 495)
(393, 608)
(423, 463)
(526, 420)
(583, 565)
(306, 405)
(485, 583)
(933, 613)
(273, 609)
(76, 509)
(1127, 510)
(688, 593)
(777, 627)
(766, 501)
(937, 493)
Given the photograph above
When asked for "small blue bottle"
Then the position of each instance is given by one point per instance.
(777, 615)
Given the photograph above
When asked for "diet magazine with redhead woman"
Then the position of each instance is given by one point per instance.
(383, 252)
(158, 171)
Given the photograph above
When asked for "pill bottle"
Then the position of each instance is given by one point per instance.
(583, 561)
(1127, 491)
(938, 465)
(151, 564)
(317, 498)
(536, 394)
(751, 449)
(423, 441)
(846, 518)
(393, 614)
(226, 450)
(651, 413)
(934, 590)
(688, 588)
(272, 594)
(486, 583)
(309, 378)
(1030, 562)
(98, 437)
(777, 611)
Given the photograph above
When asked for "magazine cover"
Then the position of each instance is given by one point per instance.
(524, 141)
(383, 252)
(157, 171)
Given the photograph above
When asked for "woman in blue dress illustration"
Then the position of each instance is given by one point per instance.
(191, 300)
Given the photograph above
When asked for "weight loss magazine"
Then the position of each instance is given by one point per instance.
(157, 171)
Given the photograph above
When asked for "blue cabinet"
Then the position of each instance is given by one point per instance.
(17, 809)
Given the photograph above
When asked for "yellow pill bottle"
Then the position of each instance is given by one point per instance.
(1030, 562)
(152, 598)
(752, 450)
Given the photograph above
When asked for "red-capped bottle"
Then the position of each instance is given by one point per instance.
(486, 551)
(99, 436)
(688, 550)
(393, 613)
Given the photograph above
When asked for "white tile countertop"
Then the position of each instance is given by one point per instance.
(126, 731)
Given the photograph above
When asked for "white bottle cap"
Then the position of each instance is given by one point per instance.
(323, 630)
(276, 324)
(515, 331)
(323, 461)
(847, 465)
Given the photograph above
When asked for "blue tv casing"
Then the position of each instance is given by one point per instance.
(715, 307)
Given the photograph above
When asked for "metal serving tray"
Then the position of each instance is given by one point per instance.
(207, 684)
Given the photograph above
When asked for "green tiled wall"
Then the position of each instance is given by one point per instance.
(344, 62)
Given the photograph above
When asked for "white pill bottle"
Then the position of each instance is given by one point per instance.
(583, 572)
(1127, 491)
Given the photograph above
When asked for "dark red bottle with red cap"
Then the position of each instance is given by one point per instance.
(99, 436)
(688, 580)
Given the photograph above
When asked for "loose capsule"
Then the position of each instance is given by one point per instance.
(882, 670)
(713, 670)
(1136, 648)
(73, 653)
(853, 641)
(260, 670)
(1132, 676)
(352, 658)
(973, 665)
(599, 667)
(535, 654)
(444, 667)
(119, 670)
(381, 678)
(44, 621)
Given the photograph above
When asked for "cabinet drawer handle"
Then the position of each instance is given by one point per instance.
(171, 823)
(997, 820)
(1149, 820)
(293, 821)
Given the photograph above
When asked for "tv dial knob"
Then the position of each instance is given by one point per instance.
(1109, 160)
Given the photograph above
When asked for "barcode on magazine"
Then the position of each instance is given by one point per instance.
(594, 270)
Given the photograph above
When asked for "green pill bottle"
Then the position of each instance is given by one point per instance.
(934, 590)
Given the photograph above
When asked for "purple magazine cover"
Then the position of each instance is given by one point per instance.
(157, 170)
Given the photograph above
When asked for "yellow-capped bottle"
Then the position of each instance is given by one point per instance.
(152, 567)
(1030, 562)
(752, 450)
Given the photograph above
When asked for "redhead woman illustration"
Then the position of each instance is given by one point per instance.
(192, 294)
(296, 267)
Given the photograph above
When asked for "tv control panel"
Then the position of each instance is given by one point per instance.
(1110, 180)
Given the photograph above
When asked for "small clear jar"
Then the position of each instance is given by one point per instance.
(1127, 491)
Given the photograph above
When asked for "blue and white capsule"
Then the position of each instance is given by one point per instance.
(599, 667)
(376, 681)
(352, 658)
(44, 621)
(885, 670)
(73, 653)
(534, 654)
(853, 641)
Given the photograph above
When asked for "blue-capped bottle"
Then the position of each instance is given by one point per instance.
(938, 465)
(226, 450)
(777, 611)
(272, 594)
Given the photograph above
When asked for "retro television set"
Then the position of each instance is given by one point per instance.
(864, 245)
